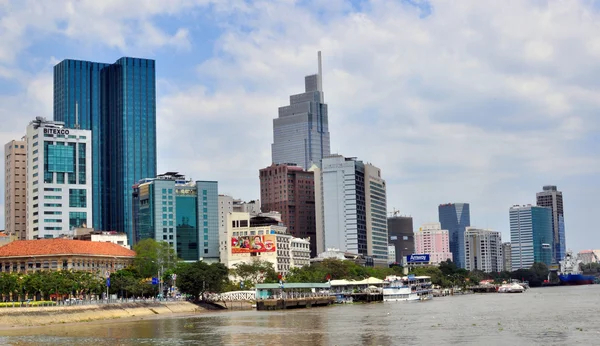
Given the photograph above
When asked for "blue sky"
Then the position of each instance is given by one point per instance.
(472, 101)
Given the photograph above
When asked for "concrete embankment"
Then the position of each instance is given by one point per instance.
(35, 316)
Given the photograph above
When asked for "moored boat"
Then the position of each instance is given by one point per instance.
(570, 272)
(511, 288)
(407, 288)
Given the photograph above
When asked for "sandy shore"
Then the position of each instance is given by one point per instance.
(14, 318)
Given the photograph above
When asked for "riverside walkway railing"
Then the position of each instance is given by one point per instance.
(83, 302)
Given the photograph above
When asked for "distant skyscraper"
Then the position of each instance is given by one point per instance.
(15, 189)
(483, 250)
(117, 102)
(455, 217)
(530, 236)
(433, 240)
(353, 207)
(552, 198)
(291, 191)
(401, 235)
(506, 256)
(301, 132)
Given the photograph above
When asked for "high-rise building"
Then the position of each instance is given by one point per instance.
(530, 236)
(59, 179)
(301, 132)
(117, 102)
(401, 236)
(433, 240)
(483, 250)
(552, 198)
(352, 213)
(506, 255)
(290, 190)
(181, 212)
(15, 189)
(456, 217)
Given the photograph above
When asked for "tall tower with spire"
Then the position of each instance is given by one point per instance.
(301, 132)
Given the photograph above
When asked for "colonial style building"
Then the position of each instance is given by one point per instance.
(26, 256)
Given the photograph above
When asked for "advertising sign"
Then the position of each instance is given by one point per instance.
(418, 258)
(253, 243)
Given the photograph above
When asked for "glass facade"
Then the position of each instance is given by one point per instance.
(455, 218)
(530, 236)
(301, 132)
(182, 213)
(208, 219)
(187, 224)
(117, 102)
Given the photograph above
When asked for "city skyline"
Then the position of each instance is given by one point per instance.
(447, 115)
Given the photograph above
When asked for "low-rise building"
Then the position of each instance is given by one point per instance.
(263, 237)
(433, 240)
(103, 236)
(589, 256)
(4, 239)
(25, 256)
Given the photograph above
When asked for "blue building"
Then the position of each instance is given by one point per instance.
(117, 102)
(530, 236)
(552, 198)
(178, 211)
(456, 217)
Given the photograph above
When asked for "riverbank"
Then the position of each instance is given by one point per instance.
(40, 316)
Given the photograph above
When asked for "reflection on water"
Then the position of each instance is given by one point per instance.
(549, 316)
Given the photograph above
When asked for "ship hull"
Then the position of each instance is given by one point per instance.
(576, 279)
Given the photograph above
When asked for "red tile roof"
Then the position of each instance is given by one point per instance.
(40, 247)
(2, 234)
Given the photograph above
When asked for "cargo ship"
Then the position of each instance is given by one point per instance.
(570, 272)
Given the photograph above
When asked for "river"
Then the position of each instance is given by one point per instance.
(548, 316)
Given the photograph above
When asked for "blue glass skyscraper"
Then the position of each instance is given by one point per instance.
(118, 103)
(455, 217)
(530, 236)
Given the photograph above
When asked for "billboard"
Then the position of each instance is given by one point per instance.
(253, 243)
(418, 258)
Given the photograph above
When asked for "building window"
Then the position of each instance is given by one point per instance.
(77, 219)
(77, 198)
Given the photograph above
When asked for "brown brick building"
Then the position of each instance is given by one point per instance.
(290, 190)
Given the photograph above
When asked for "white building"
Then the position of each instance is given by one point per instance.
(264, 238)
(589, 256)
(483, 250)
(391, 254)
(351, 208)
(433, 240)
(59, 179)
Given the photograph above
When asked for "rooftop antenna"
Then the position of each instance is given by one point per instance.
(76, 115)
(320, 74)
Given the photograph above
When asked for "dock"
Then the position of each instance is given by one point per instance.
(293, 303)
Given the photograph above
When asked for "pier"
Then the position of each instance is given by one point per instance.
(292, 296)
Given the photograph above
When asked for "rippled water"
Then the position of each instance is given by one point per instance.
(548, 316)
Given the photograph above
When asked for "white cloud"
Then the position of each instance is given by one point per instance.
(477, 102)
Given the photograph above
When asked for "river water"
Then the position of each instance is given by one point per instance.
(541, 316)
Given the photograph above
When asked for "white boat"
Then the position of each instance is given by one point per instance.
(511, 288)
(407, 288)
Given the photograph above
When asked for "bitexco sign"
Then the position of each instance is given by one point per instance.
(418, 258)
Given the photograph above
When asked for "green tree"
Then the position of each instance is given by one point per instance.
(255, 271)
(199, 277)
(152, 257)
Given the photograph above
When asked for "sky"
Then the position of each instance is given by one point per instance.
(456, 101)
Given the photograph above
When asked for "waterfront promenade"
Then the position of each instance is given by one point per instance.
(36, 316)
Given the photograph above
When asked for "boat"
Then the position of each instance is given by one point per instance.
(407, 288)
(570, 272)
(511, 288)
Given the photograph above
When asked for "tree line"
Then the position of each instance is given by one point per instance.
(158, 260)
